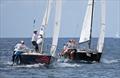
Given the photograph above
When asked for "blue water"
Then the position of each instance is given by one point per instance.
(108, 68)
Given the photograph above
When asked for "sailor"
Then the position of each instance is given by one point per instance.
(19, 48)
(73, 49)
(66, 48)
(34, 40)
(39, 41)
(73, 44)
(69, 49)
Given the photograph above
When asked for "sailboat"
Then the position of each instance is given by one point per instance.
(88, 54)
(41, 57)
(117, 35)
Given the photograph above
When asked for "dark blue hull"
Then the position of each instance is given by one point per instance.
(88, 57)
(83, 56)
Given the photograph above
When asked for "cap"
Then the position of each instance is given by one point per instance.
(22, 42)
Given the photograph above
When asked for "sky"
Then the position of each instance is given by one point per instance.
(17, 16)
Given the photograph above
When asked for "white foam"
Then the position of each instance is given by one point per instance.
(9, 62)
(30, 66)
(66, 65)
(110, 61)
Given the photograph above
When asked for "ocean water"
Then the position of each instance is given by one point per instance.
(109, 67)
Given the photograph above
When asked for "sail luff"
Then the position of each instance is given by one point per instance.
(56, 27)
(86, 28)
(102, 30)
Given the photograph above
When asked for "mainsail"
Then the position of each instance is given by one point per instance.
(45, 18)
(102, 30)
(44, 24)
(56, 26)
(86, 29)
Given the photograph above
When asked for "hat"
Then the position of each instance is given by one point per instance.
(35, 31)
(22, 42)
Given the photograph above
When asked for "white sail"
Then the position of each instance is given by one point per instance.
(117, 35)
(102, 30)
(46, 17)
(56, 27)
(85, 33)
(40, 41)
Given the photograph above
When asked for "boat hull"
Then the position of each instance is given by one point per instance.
(33, 58)
(87, 57)
(83, 56)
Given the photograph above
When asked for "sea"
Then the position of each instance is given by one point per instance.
(109, 66)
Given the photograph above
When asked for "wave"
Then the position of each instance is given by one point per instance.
(30, 66)
(53, 65)
(108, 61)
(59, 64)
(9, 63)
(64, 65)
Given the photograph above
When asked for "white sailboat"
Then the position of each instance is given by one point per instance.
(90, 55)
(117, 35)
(33, 58)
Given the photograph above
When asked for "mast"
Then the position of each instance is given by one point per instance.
(102, 26)
(89, 43)
(56, 27)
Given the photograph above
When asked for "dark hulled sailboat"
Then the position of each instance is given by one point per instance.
(88, 54)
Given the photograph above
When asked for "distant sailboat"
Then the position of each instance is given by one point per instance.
(90, 55)
(33, 57)
(117, 35)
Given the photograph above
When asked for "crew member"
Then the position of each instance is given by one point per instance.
(39, 42)
(69, 49)
(19, 48)
(34, 40)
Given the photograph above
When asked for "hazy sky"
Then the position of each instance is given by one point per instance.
(16, 17)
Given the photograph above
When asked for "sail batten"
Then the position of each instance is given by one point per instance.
(86, 28)
(56, 26)
(102, 30)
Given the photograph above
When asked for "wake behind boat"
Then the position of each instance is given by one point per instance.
(39, 55)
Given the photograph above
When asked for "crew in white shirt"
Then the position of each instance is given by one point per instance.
(34, 40)
(19, 49)
(39, 42)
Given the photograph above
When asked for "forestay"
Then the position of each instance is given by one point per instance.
(102, 30)
(56, 27)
